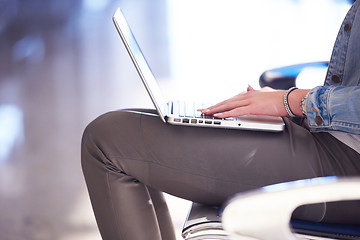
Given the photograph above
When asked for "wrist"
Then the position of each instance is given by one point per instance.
(295, 98)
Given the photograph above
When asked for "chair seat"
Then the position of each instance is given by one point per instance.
(334, 231)
(204, 222)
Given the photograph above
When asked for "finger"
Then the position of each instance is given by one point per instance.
(208, 109)
(228, 106)
(234, 112)
(222, 105)
(250, 88)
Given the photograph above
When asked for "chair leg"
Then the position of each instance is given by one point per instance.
(203, 222)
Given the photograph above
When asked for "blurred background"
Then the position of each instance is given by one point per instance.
(62, 64)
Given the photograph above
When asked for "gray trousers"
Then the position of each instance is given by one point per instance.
(130, 157)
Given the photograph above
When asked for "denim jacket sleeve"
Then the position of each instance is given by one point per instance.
(336, 105)
(334, 108)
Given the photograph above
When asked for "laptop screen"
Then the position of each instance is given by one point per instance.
(140, 62)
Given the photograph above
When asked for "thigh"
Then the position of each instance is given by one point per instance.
(203, 164)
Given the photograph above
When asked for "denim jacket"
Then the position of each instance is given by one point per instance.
(336, 105)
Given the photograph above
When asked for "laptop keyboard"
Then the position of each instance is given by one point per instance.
(189, 110)
(186, 109)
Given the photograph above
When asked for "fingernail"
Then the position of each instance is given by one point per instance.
(205, 110)
(217, 114)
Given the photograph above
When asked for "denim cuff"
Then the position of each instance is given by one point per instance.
(316, 108)
(334, 108)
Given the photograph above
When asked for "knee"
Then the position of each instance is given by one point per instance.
(96, 129)
(98, 134)
(96, 142)
(112, 134)
(109, 132)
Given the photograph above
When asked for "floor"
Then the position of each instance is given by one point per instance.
(62, 65)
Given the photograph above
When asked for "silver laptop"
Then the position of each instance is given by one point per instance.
(185, 113)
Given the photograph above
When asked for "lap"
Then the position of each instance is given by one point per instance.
(208, 165)
(204, 164)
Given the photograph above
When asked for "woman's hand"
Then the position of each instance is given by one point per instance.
(266, 101)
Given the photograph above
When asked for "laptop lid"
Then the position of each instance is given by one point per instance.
(140, 63)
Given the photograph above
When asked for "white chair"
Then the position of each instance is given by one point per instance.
(265, 213)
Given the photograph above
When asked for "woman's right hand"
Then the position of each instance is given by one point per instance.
(266, 101)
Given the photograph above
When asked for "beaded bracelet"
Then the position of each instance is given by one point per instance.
(303, 104)
(286, 102)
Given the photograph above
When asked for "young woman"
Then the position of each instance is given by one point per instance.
(130, 157)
